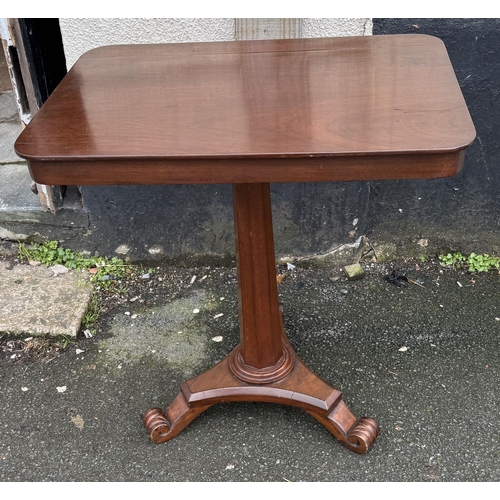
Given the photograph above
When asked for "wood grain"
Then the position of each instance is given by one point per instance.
(247, 170)
(233, 103)
(260, 335)
(300, 388)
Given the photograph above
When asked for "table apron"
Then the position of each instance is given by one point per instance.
(246, 170)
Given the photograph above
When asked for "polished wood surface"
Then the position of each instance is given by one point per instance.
(248, 170)
(250, 113)
(260, 333)
(315, 102)
(301, 388)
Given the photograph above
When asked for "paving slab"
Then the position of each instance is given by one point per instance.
(8, 107)
(15, 188)
(40, 301)
(9, 132)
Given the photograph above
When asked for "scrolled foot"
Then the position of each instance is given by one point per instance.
(163, 426)
(156, 424)
(362, 435)
(356, 435)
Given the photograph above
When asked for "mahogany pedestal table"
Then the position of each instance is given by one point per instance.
(248, 114)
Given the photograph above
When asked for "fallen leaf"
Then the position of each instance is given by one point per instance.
(279, 278)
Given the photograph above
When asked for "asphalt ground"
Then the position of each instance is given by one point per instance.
(422, 359)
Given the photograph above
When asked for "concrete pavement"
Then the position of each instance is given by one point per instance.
(422, 361)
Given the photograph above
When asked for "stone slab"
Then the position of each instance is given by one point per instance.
(9, 132)
(15, 188)
(35, 301)
(8, 107)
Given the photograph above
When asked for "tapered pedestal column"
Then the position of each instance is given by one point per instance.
(264, 366)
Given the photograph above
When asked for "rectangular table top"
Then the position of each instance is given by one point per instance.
(323, 109)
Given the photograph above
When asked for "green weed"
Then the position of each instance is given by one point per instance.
(66, 341)
(474, 263)
(92, 313)
(104, 271)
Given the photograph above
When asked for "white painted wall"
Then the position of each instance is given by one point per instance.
(82, 34)
(322, 27)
